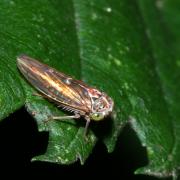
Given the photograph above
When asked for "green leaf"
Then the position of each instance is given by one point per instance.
(11, 93)
(120, 47)
(163, 34)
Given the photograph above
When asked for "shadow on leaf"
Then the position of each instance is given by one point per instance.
(20, 141)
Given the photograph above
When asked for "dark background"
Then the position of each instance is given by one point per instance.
(20, 141)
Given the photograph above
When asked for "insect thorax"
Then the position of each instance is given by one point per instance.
(102, 106)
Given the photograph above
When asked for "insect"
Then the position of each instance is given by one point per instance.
(69, 94)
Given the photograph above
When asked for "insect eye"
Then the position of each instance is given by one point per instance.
(97, 116)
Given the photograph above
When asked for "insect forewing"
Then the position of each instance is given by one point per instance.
(62, 89)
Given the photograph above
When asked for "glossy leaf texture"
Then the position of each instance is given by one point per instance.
(120, 47)
(163, 34)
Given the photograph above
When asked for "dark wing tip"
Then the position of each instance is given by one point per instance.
(22, 57)
(23, 60)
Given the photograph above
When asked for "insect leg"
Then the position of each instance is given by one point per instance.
(76, 116)
(86, 127)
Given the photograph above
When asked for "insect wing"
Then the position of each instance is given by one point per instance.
(68, 93)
